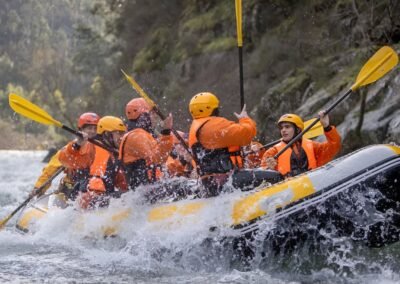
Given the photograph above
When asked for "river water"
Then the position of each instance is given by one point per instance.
(56, 253)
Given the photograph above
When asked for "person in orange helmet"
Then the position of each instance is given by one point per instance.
(179, 162)
(210, 138)
(304, 154)
(107, 175)
(141, 151)
(87, 124)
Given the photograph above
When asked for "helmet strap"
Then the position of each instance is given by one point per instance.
(108, 140)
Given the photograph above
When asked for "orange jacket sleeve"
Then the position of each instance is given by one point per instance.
(49, 170)
(219, 132)
(175, 167)
(77, 159)
(139, 144)
(269, 153)
(325, 151)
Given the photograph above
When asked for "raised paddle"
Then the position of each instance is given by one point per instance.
(376, 67)
(238, 9)
(316, 131)
(155, 108)
(34, 112)
(23, 204)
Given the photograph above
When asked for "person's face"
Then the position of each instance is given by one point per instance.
(117, 136)
(90, 130)
(287, 131)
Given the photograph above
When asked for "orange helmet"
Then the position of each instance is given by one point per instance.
(203, 104)
(88, 118)
(136, 107)
(292, 118)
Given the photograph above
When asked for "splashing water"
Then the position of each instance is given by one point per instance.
(64, 250)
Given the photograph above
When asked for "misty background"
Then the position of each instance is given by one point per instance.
(66, 56)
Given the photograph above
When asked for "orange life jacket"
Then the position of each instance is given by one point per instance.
(236, 156)
(98, 170)
(142, 154)
(212, 161)
(284, 160)
(104, 172)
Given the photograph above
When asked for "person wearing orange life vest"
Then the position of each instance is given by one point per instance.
(87, 124)
(141, 151)
(180, 162)
(210, 138)
(304, 154)
(107, 174)
(51, 168)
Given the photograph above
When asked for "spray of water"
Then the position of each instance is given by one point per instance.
(67, 245)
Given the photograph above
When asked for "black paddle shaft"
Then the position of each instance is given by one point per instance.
(91, 140)
(270, 144)
(298, 136)
(180, 138)
(23, 204)
(183, 142)
(266, 146)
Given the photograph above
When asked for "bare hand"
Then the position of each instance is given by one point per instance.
(167, 123)
(255, 147)
(271, 163)
(242, 114)
(323, 118)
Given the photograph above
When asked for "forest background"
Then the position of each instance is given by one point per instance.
(66, 56)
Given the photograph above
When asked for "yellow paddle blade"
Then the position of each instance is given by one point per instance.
(238, 8)
(31, 111)
(315, 131)
(138, 89)
(377, 66)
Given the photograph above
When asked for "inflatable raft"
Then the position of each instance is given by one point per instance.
(328, 195)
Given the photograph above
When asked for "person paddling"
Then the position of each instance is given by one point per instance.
(305, 154)
(107, 174)
(87, 124)
(211, 137)
(141, 150)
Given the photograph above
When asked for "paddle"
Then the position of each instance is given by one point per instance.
(155, 108)
(34, 112)
(238, 9)
(315, 131)
(376, 67)
(23, 204)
